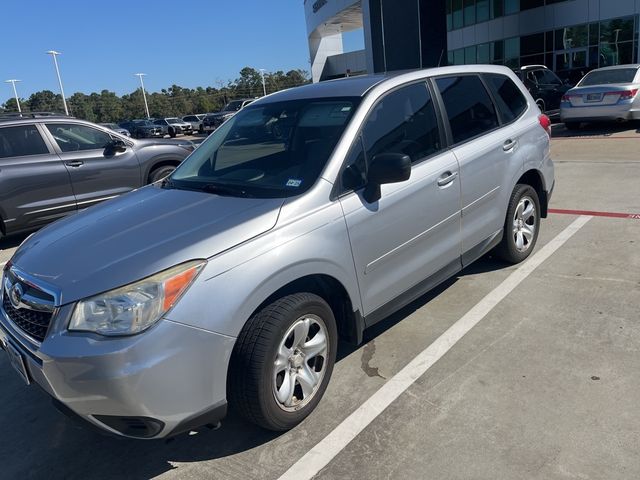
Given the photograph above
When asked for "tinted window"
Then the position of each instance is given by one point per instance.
(546, 77)
(468, 106)
(72, 137)
(404, 121)
(20, 141)
(510, 100)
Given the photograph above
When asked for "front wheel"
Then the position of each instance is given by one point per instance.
(521, 225)
(282, 361)
(159, 173)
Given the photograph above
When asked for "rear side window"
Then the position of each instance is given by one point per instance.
(21, 141)
(404, 121)
(509, 99)
(468, 105)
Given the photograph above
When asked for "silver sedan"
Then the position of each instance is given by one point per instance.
(604, 94)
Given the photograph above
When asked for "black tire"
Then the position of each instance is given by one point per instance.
(508, 249)
(572, 126)
(172, 132)
(251, 373)
(159, 173)
(200, 129)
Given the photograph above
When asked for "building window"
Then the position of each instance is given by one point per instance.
(484, 53)
(449, 16)
(496, 8)
(571, 37)
(511, 6)
(529, 4)
(530, 44)
(482, 11)
(470, 55)
(458, 56)
(457, 14)
(469, 12)
(616, 41)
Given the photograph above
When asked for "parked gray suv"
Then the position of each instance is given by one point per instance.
(53, 166)
(307, 217)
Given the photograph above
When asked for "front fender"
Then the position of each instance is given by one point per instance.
(234, 284)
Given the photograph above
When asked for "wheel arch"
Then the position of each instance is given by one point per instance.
(535, 180)
(349, 322)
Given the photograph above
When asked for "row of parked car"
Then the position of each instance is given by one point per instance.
(174, 126)
(607, 94)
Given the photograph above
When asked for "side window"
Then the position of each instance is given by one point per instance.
(21, 141)
(404, 121)
(468, 105)
(509, 99)
(72, 137)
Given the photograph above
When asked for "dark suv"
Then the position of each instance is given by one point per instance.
(214, 120)
(143, 129)
(53, 166)
(545, 87)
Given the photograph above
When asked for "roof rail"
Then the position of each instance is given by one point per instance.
(12, 115)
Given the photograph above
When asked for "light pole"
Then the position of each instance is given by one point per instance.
(264, 87)
(15, 92)
(54, 54)
(144, 95)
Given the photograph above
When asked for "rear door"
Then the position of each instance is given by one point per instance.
(411, 235)
(484, 149)
(35, 187)
(95, 176)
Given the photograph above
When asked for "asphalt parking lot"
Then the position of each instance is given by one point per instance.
(543, 384)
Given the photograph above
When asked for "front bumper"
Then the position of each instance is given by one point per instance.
(172, 376)
(594, 113)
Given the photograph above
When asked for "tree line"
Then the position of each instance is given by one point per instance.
(174, 101)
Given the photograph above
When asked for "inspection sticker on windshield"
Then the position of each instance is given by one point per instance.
(293, 182)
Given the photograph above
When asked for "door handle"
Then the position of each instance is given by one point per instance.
(76, 163)
(446, 178)
(509, 144)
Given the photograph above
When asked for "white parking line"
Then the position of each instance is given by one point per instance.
(320, 455)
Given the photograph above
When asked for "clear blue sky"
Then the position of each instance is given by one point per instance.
(190, 43)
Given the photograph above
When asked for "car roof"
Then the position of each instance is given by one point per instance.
(16, 120)
(359, 86)
(618, 67)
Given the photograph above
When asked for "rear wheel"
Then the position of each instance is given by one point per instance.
(282, 361)
(172, 132)
(521, 225)
(159, 173)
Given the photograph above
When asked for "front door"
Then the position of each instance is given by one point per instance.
(95, 176)
(412, 233)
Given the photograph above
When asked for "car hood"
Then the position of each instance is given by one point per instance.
(138, 235)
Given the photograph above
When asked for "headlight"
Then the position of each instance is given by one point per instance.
(134, 308)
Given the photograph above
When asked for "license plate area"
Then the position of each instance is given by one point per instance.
(17, 361)
(594, 97)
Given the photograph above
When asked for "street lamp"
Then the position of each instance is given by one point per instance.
(15, 92)
(264, 87)
(144, 96)
(54, 54)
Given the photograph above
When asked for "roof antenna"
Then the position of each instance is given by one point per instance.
(440, 59)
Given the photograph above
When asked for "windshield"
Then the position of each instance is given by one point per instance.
(143, 122)
(233, 106)
(605, 77)
(274, 150)
(174, 120)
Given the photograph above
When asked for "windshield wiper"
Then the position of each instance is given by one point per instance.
(228, 190)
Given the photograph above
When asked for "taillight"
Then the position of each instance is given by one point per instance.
(624, 94)
(565, 98)
(545, 123)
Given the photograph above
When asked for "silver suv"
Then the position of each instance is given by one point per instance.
(307, 217)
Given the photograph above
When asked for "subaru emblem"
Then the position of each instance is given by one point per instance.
(15, 295)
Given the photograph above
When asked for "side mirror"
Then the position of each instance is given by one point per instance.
(386, 168)
(114, 146)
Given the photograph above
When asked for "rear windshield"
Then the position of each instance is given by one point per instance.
(272, 150)
(605, 77)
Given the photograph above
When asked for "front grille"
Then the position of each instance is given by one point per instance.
(34, 323)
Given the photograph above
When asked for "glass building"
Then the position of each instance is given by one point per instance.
(569, 36)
